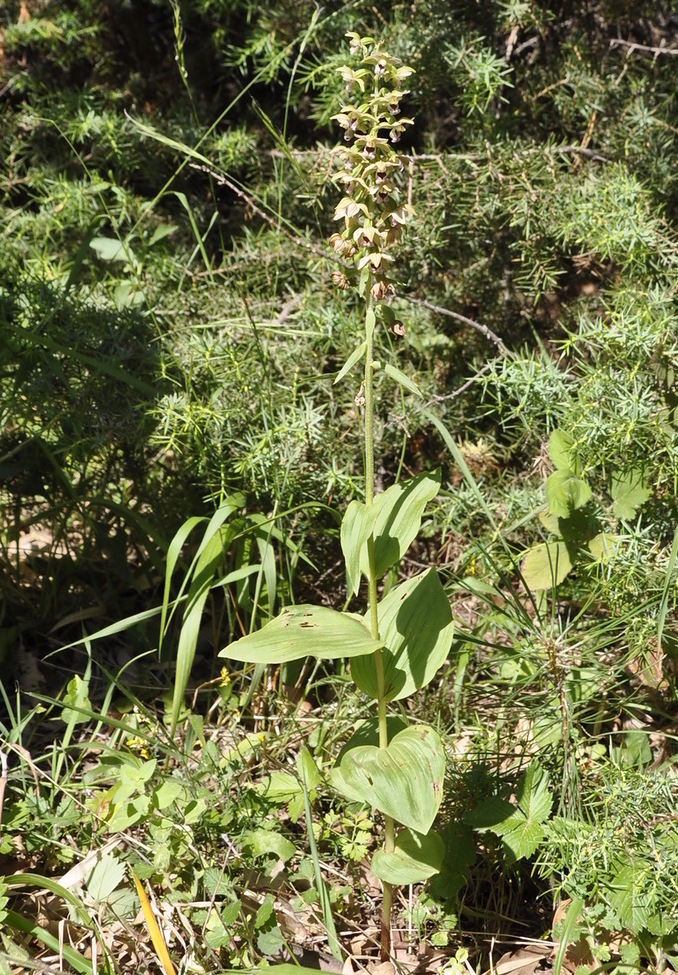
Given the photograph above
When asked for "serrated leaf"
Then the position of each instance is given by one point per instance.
(518, 826)
(629, 492)
(400, 509)
(546, 565)
(399, 377)
(404, 780)
(533, 793)
(415, 623)
(630, 897)
(565, 492)
(415, 858)
(304, 631)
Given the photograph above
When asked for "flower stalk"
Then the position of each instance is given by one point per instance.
(373, 219)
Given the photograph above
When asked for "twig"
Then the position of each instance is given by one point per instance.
(225, 181)
(631, 47)
(478, 326)
(582, 151)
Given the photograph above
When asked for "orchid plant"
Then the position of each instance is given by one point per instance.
(405, 636)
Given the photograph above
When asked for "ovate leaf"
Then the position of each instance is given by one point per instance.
(546, 565)
(263, 842)
(565, 492)
(560, 451)
(399, 512)
(415, 858)
(304, 631)
(404, 780)
(415, 623)
(110, 249)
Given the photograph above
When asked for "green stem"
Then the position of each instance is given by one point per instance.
(389, 830)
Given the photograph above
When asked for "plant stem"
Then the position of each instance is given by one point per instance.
(389, 831)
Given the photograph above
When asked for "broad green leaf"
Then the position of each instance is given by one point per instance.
(110, 249)
(629, 492)
(304, 631)
(578, 528)
(368, 734)
(108, 874)
(546, 565)
(399, 377)
(550, 521)
(169, 792)
(560, 451)
(415, 858)
(354, 357)
(415, 623)
(565, 492)
(404, 780)
(400, 510)
(262, 842)
(356, 527)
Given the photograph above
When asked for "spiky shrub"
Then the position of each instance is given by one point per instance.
(406, 635)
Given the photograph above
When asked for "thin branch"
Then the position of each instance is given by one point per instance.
(631, 47)
(225, 181)
(582, 151)
(478, 326)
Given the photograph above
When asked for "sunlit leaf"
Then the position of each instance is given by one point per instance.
(415, 623)
(546, 565)
(416, 857)
(304, 631)
(400, 510)
(404, 780)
